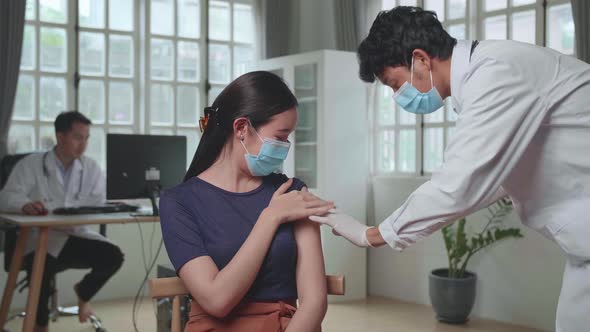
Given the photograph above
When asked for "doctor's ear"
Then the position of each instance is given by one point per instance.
(421, 58)
(240, 127)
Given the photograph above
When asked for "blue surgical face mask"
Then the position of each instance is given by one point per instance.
(414, 101)
(269, 159)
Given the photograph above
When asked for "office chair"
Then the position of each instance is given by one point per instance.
(9, 240)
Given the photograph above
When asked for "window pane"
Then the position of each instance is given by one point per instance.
(188, 61)
(213, 93)
(495, 5)
(120, 130)
(522, 2)
(162, 17)
(243, 60)
(560, 29)
(386, 153)
(219, 20)
(456, 8)
(30, 10)
(162, 131)
(91, 13)
(243, 23)
(53, 50)
(52, 97)
(388, 4)
(27, 60)
(192, 142)
(437, 6)
(408, 2)
(457, 31)
(91, 100)
(189, 24)
(92, 55)
(24, 104)
(121, 103)
(162, 104)
(219, 71)
(495, 27)
(162, 60)
(96, 146)
(405, 117)
(407, 151)
(523, 26)
(54, 11)
(187, 103)
(121, 56)
(121, 15)
(436, 116)
(386, 110)
(433, 149)
(21, 138)
(46, 137)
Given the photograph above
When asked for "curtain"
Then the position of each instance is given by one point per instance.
(274, 25)
(12, 21)
(581, 14)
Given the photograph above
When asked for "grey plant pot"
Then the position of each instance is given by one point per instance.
(452, 298)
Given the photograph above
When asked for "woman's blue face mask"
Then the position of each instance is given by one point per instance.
(270, 158)
(414, 101)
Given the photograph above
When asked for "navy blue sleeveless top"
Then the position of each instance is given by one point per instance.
(200, 219)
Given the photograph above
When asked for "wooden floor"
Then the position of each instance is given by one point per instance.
(374, 315)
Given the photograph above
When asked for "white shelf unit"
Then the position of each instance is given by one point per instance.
(330, 147)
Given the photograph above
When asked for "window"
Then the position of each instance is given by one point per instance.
(406, 144)
(45, 85)
(93, 56)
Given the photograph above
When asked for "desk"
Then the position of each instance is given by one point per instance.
(25, 223)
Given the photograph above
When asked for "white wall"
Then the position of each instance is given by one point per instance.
(518, 280)
(124, 284)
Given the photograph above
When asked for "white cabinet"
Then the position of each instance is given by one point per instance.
(330, 146)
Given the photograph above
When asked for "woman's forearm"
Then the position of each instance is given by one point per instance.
(232, 283)
(308, 318)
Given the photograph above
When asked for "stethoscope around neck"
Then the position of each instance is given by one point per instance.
(46, 175)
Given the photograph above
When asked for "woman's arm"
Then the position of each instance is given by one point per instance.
(311, 279)
(218, 292)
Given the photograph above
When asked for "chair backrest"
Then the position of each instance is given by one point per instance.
(174, 287)
(7, 164)
(9, 232)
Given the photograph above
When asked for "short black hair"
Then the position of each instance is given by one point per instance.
(64, 121)
(394, 36)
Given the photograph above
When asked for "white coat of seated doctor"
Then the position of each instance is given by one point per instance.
(523, 130)
(64, 177)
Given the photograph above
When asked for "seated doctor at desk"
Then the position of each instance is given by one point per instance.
(64, 177)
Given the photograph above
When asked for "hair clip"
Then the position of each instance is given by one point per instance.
(204, 120)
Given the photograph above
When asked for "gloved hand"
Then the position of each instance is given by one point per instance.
(345, 226)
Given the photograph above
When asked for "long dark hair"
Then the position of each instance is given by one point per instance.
(257, 96)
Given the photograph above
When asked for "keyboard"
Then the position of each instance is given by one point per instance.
(110, 208)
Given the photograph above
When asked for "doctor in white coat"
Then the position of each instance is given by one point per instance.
(523, 130)
(64, 177)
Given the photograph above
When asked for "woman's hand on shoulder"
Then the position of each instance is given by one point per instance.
(295, 205)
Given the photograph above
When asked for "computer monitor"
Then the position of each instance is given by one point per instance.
(139, 166)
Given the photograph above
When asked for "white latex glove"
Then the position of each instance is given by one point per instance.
(345, 226)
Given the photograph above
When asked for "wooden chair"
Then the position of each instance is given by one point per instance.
(174, 287)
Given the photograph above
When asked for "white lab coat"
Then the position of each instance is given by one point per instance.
(28, 182)
(523, 129)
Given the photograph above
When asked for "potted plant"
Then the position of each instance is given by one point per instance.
(452, 289)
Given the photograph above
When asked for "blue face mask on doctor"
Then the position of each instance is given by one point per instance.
(269, 159)
(414, 101)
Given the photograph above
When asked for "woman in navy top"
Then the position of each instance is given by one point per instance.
(238, 234)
